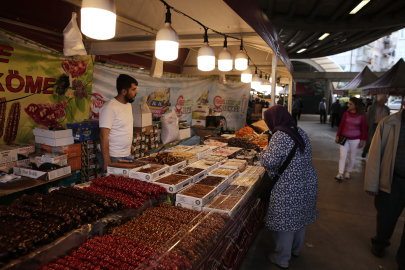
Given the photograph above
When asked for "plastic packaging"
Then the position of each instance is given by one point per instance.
(170, 127)
(72, 39)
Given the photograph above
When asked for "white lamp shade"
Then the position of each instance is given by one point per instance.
(241, 61)
(225, 60)
(246, 76)
(167, 43)
(255, 84)
(98, 19)
(206, 58)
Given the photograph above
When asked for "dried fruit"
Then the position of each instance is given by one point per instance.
(3, 106)
(13, 121)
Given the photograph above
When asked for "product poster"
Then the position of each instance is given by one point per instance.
(177, 92)
(32, 93)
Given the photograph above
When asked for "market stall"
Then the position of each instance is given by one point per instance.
(354, 87)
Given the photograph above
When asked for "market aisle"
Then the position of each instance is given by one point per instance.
(341, 236)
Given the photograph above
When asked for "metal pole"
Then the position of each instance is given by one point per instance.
(290, 93)
(273, 79)
(327, 94)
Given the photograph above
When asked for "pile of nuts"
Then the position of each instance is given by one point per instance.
(149, 170)
(184, 155)
(224, 203)
(226, 172)
(211, 181)
(243, 143)
(172, 179)
(163, 158)
(205, 164)
(191, 171)
(197, 191)
(246, 180)
(156, 226)
(235, 191)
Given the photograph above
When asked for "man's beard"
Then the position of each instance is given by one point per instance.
(129, 99)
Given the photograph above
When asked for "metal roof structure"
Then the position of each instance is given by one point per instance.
(300, 24)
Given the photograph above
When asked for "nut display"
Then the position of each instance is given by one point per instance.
(112, 252)
(205, 164)
(211, 181)
(149, 170)
(253, 170)
(184, 155)
(242, 143)
(235, 191)
(246, 180)
(180, 148)
(224, 203)
(163, 158)
(226, 172)
(172, 179)
(191, 171)
(197, 190)
(244, 131)
(13, 121)
(215, 157)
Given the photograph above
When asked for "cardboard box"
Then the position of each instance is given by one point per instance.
(178, 166)
(199, 115)
(75, 163)
(198, 123)
(201, 108)
(180, 198)
(85, 131)
(7, 167)
(7, 154)
(73, 150)
(189, 206)
(142, 120)
(52, 134)
(47, 157)
(146, 130)
(163, 170)
(258, 108)
(184, 133)
(23, 150)
(43, 175)
(174, 188)
(54, 142)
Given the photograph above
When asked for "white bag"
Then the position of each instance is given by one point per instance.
(72, 39)
(170, 127)
(144, 105)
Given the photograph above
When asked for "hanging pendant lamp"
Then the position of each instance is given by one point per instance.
(255, 84)
(167, 41)
(225, 60)
(241, 59)
(206, 56)
(98, 19)
(246, 76)
(266, 85)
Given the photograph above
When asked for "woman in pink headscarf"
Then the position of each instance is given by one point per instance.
(292, 204)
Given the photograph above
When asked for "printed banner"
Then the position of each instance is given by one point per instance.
(33, 93)
(175, 91)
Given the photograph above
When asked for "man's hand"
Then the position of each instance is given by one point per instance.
(371, 193)
(105, 167)
(337, 139)
(132, 149)
(360, 144)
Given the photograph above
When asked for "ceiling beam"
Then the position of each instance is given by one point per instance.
(343, 9)
(291, 39)
(334, 76)
(25, 25)
(302, 44)
(148, 29)
(394, 6)
(343, 37)
(323, 42)
(355, 17)
(293, 6)
(315, 10)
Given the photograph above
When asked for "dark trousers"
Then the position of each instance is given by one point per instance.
(323, 114)
(294, 116)
(299, 114)
(335, 116)
(371, 131)
(389, 207)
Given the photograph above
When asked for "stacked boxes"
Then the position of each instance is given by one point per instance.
(15, 155)
(90, 166)
(144, 140)
(199, 115)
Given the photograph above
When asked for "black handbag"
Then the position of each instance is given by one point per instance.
(342, 140)
(265, 194)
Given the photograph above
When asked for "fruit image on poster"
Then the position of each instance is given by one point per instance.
(41, 88)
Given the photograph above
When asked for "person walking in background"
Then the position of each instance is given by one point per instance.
(335, 113)
(385, 179)
(353, 127)
(301, 108)
(292, 204)
(343, 109)
(375, 114)
(322, 110)
(295, 108)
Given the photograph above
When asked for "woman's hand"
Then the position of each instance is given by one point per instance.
(371, 193)
(337, 139)
(360, 144)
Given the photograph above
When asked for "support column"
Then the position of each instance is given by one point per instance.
(273, 79)
(328, 95)
(290, 93)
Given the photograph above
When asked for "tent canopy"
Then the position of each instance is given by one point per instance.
(392, 82)
(363, 78)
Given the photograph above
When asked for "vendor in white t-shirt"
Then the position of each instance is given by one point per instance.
(116, 123)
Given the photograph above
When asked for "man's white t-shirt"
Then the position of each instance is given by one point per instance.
(118, 118)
